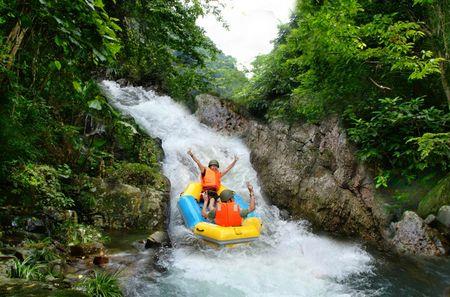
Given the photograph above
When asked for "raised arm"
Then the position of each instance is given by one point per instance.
(252, 197)
(200, 165)
(230, 166)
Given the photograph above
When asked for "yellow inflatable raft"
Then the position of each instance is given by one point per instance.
(190, 207)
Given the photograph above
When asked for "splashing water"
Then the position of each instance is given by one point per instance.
(288, 260)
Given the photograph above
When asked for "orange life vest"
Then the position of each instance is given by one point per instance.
(228, 214)
(211, 179)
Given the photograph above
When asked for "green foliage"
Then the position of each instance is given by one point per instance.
(42, 251)
(40, 263)
(53, 111)
(44, 255)
(338, 51)
(136, 174)
(42, 185)
(26, 269)
(382, 179)
(48, 90)
(102, 284)
(40, 244)
(164, 46)
(134, 145)
(341, 57)
(73, 233)
(58, 131)
(384, 136)
(224, 79)
(434, 148)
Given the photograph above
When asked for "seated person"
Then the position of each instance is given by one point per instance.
(227, 212)
(211, 176)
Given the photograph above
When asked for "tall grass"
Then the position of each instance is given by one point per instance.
(44, 255)
(102, 284)
(26, 269)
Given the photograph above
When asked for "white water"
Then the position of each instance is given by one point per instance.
(288, 260)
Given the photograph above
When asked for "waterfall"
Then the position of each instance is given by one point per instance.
(287, 260)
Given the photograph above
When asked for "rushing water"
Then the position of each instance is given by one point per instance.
(288, 260)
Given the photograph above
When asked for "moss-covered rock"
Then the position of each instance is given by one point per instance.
(134, 145)
(15, 287)
(436, 197)
(119, 205)
(138, 174)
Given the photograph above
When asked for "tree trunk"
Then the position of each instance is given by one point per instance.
(444, 81)
(14, 41)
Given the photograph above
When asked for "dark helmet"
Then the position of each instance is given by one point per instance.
(213, 162)
(226, 195)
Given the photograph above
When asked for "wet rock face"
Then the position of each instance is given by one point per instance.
(123, 206)
(309, 170)
(413, 236)
(220, 115)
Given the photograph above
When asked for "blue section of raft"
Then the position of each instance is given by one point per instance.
(191, 209)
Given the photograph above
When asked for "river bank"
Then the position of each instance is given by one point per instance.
(51, 247)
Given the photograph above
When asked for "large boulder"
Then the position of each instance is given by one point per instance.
(411, 235)
(438, 196)
(308, 169)
(124, 206)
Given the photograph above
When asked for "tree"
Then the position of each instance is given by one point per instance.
(375, 63)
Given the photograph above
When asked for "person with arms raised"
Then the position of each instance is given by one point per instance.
(210, 176)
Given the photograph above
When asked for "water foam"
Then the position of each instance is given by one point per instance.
(288, 260)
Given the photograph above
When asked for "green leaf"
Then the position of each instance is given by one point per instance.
(98, 143)
(95, 104)
(99, 55)
(77, 86)
(128, 125)
(57, 64)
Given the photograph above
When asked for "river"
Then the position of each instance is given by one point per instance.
(288, 259)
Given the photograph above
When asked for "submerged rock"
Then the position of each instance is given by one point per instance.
(413, 236)
(310, 170)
